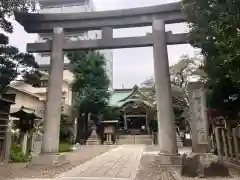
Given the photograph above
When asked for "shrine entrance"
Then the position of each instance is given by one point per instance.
(106, 21)
(138, 123)
(136, 117)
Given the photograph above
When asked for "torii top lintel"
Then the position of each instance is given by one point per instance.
(135, 17)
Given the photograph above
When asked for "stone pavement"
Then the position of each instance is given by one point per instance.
(121, 163)
(80, 156)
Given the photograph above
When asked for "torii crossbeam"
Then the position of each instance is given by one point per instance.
(135, 17)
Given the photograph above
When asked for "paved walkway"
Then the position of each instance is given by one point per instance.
(121, 164)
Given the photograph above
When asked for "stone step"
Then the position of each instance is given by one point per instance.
(137, 139)
(143, 137)
(136, 136)
(92, 142)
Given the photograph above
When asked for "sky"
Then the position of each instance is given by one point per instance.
(130, 66)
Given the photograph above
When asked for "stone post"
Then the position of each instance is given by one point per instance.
(223, 134)
(199, 121)
(235, 142)
(166, 124)
(7, 146)
(24, 142)
(229, 140)
(218, 141)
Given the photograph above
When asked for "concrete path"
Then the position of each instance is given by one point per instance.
(121, 164)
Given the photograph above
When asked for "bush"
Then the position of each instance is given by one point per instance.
(16, 154)
(111, 113)
(153, 126)
(66, 130)
(64, 147)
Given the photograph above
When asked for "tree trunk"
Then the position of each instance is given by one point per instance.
(80, 129)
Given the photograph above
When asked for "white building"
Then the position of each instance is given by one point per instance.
(73, 6)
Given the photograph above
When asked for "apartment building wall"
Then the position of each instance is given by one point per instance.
(72, 6)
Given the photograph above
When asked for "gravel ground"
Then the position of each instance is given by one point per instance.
(82, 155)
(150, 171)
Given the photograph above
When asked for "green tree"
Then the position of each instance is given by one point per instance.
(66, 129)
(214, 28)
(179, 102)
(180, 75)
(13, 63)
(90, 85)
(183, 71)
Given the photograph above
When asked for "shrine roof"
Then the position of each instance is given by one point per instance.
(117, 96)
(121, 96)
(22, 111)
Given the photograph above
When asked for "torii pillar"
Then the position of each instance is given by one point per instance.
(166, 124)
(52, 111)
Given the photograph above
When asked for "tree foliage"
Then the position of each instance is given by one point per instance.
(111, 113)
(215, 29)
(91, 81)
(13, 63)
(183, 71)
(180, 75)
(66, 130)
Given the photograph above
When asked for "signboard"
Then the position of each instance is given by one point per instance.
(109, 129)
(200, 116)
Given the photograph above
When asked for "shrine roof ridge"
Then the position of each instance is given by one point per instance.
(134, 17)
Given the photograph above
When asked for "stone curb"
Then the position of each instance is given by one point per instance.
(177, 176)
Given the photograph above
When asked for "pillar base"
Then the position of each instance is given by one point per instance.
(48, 159)
(163, 159)
(203, 165)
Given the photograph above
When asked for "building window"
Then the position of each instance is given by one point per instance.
(45, 54)
(44, 83)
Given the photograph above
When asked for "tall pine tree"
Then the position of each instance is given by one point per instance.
(12, 62)
(90, 87)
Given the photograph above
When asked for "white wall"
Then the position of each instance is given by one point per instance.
(26, 100)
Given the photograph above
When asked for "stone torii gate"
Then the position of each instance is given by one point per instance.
(155, 16)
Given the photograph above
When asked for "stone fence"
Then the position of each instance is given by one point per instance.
(227, 143)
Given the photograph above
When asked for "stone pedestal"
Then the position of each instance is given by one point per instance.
(203, 165)
(36, 144)
(168, 160)
(110, 131)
